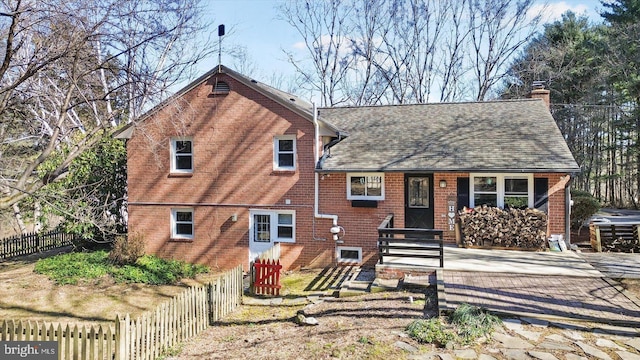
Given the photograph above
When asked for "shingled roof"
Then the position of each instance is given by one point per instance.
(493, 136)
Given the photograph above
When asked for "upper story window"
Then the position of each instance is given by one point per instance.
(502, 190)
(182, 155)
(365, 186)
(182, 223)
(284, 152)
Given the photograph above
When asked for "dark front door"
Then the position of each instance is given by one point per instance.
(418, 201)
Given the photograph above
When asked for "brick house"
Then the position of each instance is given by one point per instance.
(228, 166)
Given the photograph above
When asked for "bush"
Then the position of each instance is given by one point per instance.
(468, 324)
(473, 322)
(127, 249)
(430, 331)
(153, 270)
(584, 207)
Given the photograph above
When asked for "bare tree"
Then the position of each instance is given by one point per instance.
(324, 27)
(73, 70)
(499, 28)
(407, 51)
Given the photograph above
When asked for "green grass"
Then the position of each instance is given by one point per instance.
(73, 267)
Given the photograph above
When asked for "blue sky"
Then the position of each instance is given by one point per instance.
(254, 24)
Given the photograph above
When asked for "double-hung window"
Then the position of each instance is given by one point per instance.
(182, 155)
(502, 190)
(284, 152)
(365, 186)
(182, 223)
(272, 225)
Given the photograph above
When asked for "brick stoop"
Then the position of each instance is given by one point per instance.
(384, 271)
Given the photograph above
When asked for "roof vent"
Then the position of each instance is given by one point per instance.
(292, 99)
(221, 88)
(253, 81)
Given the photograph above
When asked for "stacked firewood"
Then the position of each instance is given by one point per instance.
(494, 227)
(621, 245)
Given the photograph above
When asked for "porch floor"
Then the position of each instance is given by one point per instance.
(566, 263)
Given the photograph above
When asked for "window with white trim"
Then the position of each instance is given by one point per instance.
(365, 186)
(346, 254)
(182, 155)
(284, 152)
(502, 190)
(182, 223)
(272, 225)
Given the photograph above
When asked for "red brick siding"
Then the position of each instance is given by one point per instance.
(233, 172)
(556, 212)
(441, 197)
(360, 224)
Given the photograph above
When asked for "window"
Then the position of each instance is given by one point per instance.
(485, 190)
(516, 193)
(182, 223)
(284, 152)
(418, 192)
(351, 255)
(365, 186)
(272, 225)
(502, 190)
(182, 155)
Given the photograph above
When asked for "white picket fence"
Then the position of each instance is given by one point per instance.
(147, 336)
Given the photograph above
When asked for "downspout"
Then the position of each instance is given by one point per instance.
(567, 212)
(316, 158)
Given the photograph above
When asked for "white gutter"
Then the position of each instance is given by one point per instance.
(316, 158)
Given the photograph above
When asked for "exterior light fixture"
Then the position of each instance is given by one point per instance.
(443, 183)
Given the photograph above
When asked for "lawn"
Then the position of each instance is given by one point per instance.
(26, 295)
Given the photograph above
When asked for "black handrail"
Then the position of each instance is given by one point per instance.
(416, 242)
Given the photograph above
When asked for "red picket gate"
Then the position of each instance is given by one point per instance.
(266, 277)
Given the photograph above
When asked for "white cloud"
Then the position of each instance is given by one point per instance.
(553, 11)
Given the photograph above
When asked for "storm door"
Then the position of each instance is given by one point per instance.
(418, 212)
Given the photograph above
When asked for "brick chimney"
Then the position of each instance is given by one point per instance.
(539, 92)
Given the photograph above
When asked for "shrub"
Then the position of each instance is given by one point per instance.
(127, 249)
(584, 207)
(154, 270)
(430, 331)
(473, 322)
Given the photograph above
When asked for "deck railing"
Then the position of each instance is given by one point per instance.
(409, 242)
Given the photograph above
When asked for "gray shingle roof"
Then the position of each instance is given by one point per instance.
(504, 136)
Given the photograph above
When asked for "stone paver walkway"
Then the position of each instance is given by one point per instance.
(581, 298)
(526, 338)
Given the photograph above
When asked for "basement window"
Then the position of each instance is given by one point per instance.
(349, 255)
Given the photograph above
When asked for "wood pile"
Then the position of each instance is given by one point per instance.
(494, 227)
(621, 245)
(615, 237)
